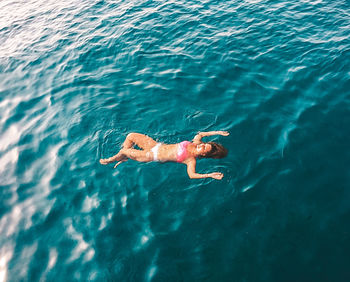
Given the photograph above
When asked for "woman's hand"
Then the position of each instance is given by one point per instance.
(216, 175)
(224, 133)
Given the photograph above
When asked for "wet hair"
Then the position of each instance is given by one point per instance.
(217, 151)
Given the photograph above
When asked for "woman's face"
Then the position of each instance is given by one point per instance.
(203, 148)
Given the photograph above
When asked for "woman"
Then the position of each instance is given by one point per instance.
(185, 152)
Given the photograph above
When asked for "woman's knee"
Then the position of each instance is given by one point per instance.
(133, 136)
(130, 135)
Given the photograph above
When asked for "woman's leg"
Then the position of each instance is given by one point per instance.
(115, 158)
(138, 155)
(143, 141)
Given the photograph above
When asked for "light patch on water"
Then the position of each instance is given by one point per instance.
(81, 246)
(103, 223)
(5, 256)
(82, 184)
(144, 71)
(29, 212)
(283, 140)
(10, 221)
(77, 275)
(10, 157)
(176, 224)
(144, 239)
(20, 217)
(7, 107)
(79, 249)
(246, 188)
(90, 203)
(92, 276)
(123, 201)
(177, 221)
(146, 236)
(312, 2)
(89, 255)
(10, 137)
(156, 86)
(137, 82)
(25, 259)
(52, 258)
(296, 68)
(45, 168)
(253, 1)
(3, 269)
(12, 12)
(50, 167)
(53, 254)
(7, 166)
(44, 122)
(13, 134)
(223, 34)
(48, 100)
(152, 268)
(285, 172)
(169, 71)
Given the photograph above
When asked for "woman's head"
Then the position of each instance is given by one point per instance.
(211, 150)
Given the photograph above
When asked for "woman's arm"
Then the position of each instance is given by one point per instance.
(191, 170)
(200, 135)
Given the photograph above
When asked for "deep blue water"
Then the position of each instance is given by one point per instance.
(77, 76)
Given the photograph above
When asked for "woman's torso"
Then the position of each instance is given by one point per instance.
(170, 152)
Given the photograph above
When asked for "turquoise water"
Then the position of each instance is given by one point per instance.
(77, 76)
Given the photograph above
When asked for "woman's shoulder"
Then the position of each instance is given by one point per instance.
(186, 142)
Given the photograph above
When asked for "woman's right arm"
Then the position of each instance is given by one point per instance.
(200, 135)
(191, 170)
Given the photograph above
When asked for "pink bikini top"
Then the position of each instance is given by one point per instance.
(181, 153)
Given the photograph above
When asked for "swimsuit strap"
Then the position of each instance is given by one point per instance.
(181, 153)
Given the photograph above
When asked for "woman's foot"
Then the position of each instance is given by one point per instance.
(104, 161)
(118, 157)
(118, 163)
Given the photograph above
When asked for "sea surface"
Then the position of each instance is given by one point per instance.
(76, 76)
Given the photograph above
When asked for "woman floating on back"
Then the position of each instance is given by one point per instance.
(185, 152)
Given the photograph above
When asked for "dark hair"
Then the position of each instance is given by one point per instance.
(217, 151)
